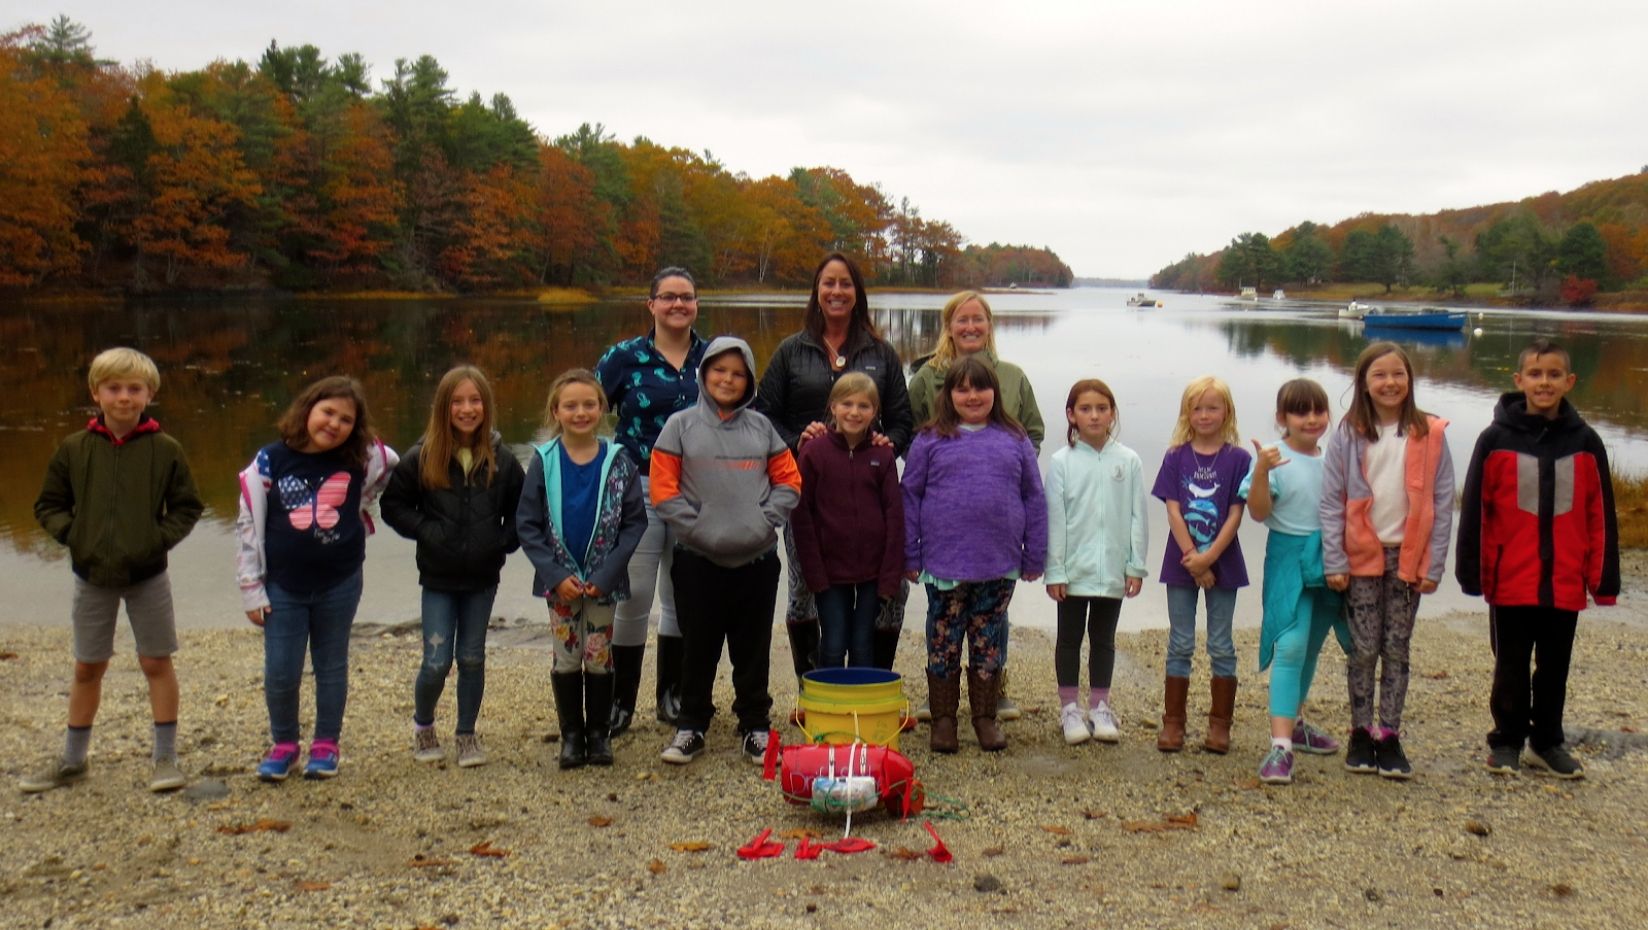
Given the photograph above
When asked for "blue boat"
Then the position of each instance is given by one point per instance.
(1428, 318)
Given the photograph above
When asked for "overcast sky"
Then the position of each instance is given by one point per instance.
(1121, 134)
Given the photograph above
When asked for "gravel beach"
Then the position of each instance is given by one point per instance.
(1043, 834)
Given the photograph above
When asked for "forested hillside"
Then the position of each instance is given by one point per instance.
(303, 172)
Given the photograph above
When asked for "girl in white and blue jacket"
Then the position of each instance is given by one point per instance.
(1097, 537)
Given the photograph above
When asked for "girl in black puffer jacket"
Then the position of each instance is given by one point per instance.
(455, 492)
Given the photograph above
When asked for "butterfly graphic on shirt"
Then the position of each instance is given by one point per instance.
(315, 509)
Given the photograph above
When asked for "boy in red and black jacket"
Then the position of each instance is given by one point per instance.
(1536, 535)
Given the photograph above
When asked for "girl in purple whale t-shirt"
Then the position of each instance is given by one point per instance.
(1200, 482)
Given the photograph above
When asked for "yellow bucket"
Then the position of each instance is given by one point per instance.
(847, 704)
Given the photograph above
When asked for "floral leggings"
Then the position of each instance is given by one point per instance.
(975, 611)
(582, 636)
(1382, 612)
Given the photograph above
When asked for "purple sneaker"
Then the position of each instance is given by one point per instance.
(1307, 738)
(1277, 769)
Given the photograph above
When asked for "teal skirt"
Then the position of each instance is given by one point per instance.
(1293, 573)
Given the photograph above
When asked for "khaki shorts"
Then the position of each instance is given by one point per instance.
(148, 607)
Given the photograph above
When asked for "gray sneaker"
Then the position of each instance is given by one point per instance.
(470, 753)
(1555, 762)
(426, 746)
(59, 774)
(167, 776)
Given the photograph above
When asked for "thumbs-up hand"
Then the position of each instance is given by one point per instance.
(1265, 459)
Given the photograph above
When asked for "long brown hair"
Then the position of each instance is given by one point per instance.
(1089, 386)
(813, 321)
(1361, 416)
(440, 439)
(974, 373)
(294, 423)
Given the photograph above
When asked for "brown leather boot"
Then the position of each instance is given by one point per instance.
(1220, 714)
(1171, 737)
(981, 698)
(943, 698)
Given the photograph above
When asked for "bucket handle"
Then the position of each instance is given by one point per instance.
(856, 735)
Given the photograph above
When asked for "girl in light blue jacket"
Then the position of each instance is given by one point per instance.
(1097, 537)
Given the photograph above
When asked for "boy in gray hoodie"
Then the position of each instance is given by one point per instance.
(725, 482)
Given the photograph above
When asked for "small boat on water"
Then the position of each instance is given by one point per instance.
(1140, 300)
(1250, 293)
(1355, 311)
(1279, 295)
(1431, 318)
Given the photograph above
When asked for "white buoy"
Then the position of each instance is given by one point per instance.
(1477, 331)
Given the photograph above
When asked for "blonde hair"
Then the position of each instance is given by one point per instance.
(567, 378)
(944, 354)
(1182, 430)
(440, 439)
(122, 362)
(854, 382)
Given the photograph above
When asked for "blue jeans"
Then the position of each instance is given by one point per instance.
(847, 617)
(317, 622)
(454, 624)
(1181, 636)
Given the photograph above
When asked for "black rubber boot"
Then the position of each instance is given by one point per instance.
(597, 710)
(668, 694)
(569, 705)
(803, 645)
(626, 686)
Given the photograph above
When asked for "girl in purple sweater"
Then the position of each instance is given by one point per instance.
(975, 522)
(849, 527)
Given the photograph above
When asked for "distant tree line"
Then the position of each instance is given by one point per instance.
(296, 173)
(1566, 247)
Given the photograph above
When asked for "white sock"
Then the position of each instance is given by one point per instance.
(1282, 742)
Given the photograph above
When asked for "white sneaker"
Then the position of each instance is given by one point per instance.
(1074, 724)
(1103, 721)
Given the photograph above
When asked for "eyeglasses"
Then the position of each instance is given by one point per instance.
(667, 299)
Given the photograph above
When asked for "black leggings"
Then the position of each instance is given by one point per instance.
(1098, 615)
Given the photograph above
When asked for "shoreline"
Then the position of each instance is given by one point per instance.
(1043, 834)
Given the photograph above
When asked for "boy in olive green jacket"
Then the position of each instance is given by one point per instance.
(119, 494)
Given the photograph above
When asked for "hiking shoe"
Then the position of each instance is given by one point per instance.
(1556, 762)
(1277, 767)
(278, 763)
(755, 746)
(323, 762)
(1074, 723)
(1007, 708)
(470, 753)
(59, 774)
(167, 776)
(426, 746)
(1503, 760)
(1102, 721)
(685, 747)
(1317, 742)
(1392, 761)
(1359, 756)
(924, 713)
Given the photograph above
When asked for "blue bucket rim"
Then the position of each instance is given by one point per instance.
(853, 675)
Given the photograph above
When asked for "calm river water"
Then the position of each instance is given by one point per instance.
(229, 367)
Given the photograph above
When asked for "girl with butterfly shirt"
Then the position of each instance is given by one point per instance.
(302, 528)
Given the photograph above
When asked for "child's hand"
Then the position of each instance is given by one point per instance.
(812, 431)
(1058, 592)
(1133, 586)
(912, 576)
(257, 614)
(1032, 576)
(1426, 586)
(1338, 582)
(1266, 459)
(1204, 580)
(569, 590)
(592, 591)
(877, 439)
(1196, 562)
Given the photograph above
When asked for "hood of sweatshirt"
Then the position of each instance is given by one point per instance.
(1512, 413)
(719, 346)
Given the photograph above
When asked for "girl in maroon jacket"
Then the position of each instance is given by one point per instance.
(849, 527)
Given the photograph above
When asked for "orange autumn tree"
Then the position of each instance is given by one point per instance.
(197, 176)
(44, 159)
